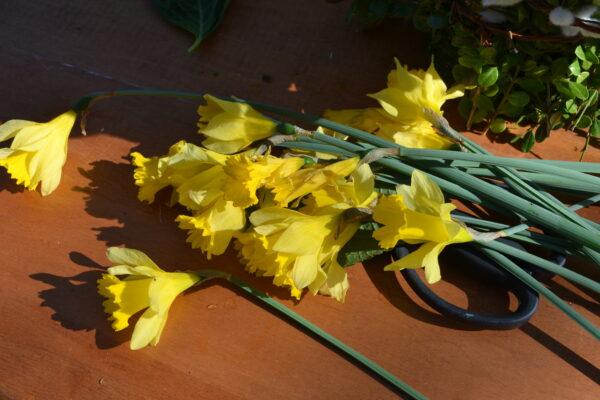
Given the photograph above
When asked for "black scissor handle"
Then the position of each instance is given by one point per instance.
(487, 269)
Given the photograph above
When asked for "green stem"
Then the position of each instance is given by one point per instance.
(514, 269)
(588, 167)
(500, 161)
(542, 263)
(315, 330)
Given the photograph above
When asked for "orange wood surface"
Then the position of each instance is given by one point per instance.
(55, 342)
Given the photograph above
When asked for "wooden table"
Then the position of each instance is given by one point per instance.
(55, 342)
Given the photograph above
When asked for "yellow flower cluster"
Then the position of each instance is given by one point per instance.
(400, 117)
(297, 213)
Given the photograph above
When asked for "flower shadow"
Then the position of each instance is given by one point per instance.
(76, 303)
(111, 195)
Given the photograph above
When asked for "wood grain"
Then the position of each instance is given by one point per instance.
(55, 342)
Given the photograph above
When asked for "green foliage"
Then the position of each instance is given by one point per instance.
(541, 83)
(361, 247)
(199, 17)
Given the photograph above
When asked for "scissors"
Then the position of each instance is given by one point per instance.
(472, 258)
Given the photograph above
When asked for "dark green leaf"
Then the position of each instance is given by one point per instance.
(491, 91)
(498, 125)
(571, 89)
(595, 128)
(518, 98)
(199, 17)
(488, 54)
(528, 142)
(488, 77)
(584, 122)
(464, 107)
(484, 104)
(532, 85)
(361, 247)
(471, 62)
(591, 56)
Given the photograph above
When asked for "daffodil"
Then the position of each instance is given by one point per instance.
(146, 287)
(307, 180)
(183, 161)
(416, 133)
(212, 229)
(357, 191)
(418, 215)
(298, 250)
(231, 126)
(410, 91)
(38, 150)
(246, 174)
(401, 117)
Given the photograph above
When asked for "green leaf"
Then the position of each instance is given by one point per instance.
(528, 141)
(531, 85)
(484, 104)
(575, 68)
(580, 53)
(471, 62)
(582, 77)
(464, 107)
(198, 17)
(595, 128)
(584, 122)
(571, 106)
(591, 56)
(361, 247)
(491, 91)
(571, 89)
(488, 54)
(488, 77)
(498, 125)
(518, 98)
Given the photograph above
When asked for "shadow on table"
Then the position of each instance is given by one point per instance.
(76, 303)
(482, 298)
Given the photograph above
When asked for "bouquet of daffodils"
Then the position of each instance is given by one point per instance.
(300, 205)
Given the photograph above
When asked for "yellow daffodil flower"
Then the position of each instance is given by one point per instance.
(307, 180)
(410, 91)
(230, 126)
(358, 191)
(212, 229)
(418, 214)
(298, 250)
(147, 287)
(401, 117)
(38, 150)
(246, 174)
(183, 161)
(416, 134)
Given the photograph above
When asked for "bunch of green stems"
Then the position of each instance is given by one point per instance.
(507, 186)
(510, 188)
